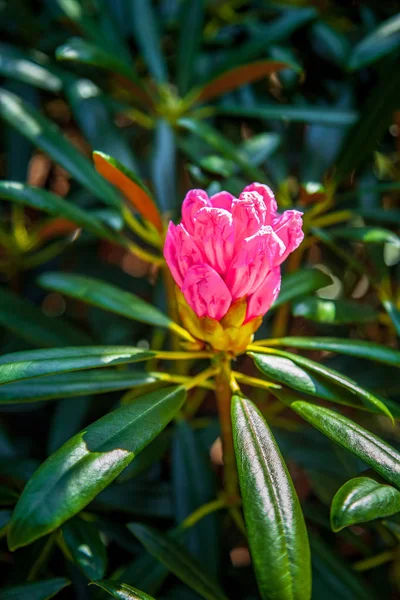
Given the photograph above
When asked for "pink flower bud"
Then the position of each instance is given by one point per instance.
(230, 249)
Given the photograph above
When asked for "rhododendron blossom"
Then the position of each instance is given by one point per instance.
(228, 249)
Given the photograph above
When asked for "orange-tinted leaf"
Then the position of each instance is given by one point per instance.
(57, 227)
(234, 78)
(124, 180)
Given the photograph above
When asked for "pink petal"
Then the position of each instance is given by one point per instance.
(193, 202)
(222, 200)
(269, 200)
(288, 227)
(180, 252)
(206, 293)
(257, 255)
(214, 234)
(248, 214)
(264, 296)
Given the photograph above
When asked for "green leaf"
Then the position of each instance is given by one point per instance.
(330, 44)
(48, 202)
(33, 68)
(297, 114)
(382, 41)
(105, 296)
(394, 314)
(40, 590)
(30, 323)
(73, 384)
(178, 560)
(190, 33)
(361, 500)
(334, 312)
(363, 395)
(381, 457)
(87, 549)
(367, 235)
(301, 283)
(5, 517)
(68, 418)
(163, 165)
(145, 29)
(122, 591)
(34, 363)
(359, 348)
(274, 520)
(74, 475)
(47, 136)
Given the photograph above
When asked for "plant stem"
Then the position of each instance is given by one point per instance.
(166, 355)
(223, 393)
(201, 512)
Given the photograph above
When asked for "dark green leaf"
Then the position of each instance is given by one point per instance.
(359, 348)
(367, 235)
(86, 547)
(73, 384)
(122, 591)
(73, 476)
(330, 44)
(68, 418)
(394, 314)
(300, 114)
(145, 29)
(47, 136)
(33, 68)
(274, 520)
(30, 323)
(34, 363)
(177, 559)
(105, 296)
(191, 29)
(381, 457)
(361, 500)
(164, 165)
(301, 283)
(334, 312)
(384, 40)
(40, 590)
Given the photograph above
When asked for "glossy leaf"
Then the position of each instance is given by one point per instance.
(274, 520)
(30, 323)
(394, 314)
(361, 500)
(73, 384)
(34, 363)
(301, 283)
(86, 547)
(130, 186)
(40, 590)
(350, 347)
(177, 559)
(334, 312)
(299, 114)
(377, 44)
(332, 376)
(74, 475)
(379, 455)
(122, 591)
(238, 76)
(47, 136)
(33, 68)
(105, 296)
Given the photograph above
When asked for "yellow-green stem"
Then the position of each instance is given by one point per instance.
(224, 395)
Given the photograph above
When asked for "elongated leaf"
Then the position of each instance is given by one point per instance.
(190, 34)
(47, 136)
(334, 312)
(132, 188)
(394, 314)
(145, 29)
(105, 296)
(30, 323)
(377, 44)
(361, 500)
(122, 591)
(359, 348)
(301, 283)
(379, 455)
(163, 165)
(86, 547)
(73, 476)
(55, 205)
(330, 44)
(367, 235)
(33, 68)
(40, 590)
(274, 520)
(72, 384)
(332, 376)
(300, 114)
(238, 76)
(67, 420)
(177, 559)
(34, 363)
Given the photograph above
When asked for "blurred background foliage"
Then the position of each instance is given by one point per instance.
(301, 95)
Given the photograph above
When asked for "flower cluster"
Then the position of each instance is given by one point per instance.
(227, 251)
